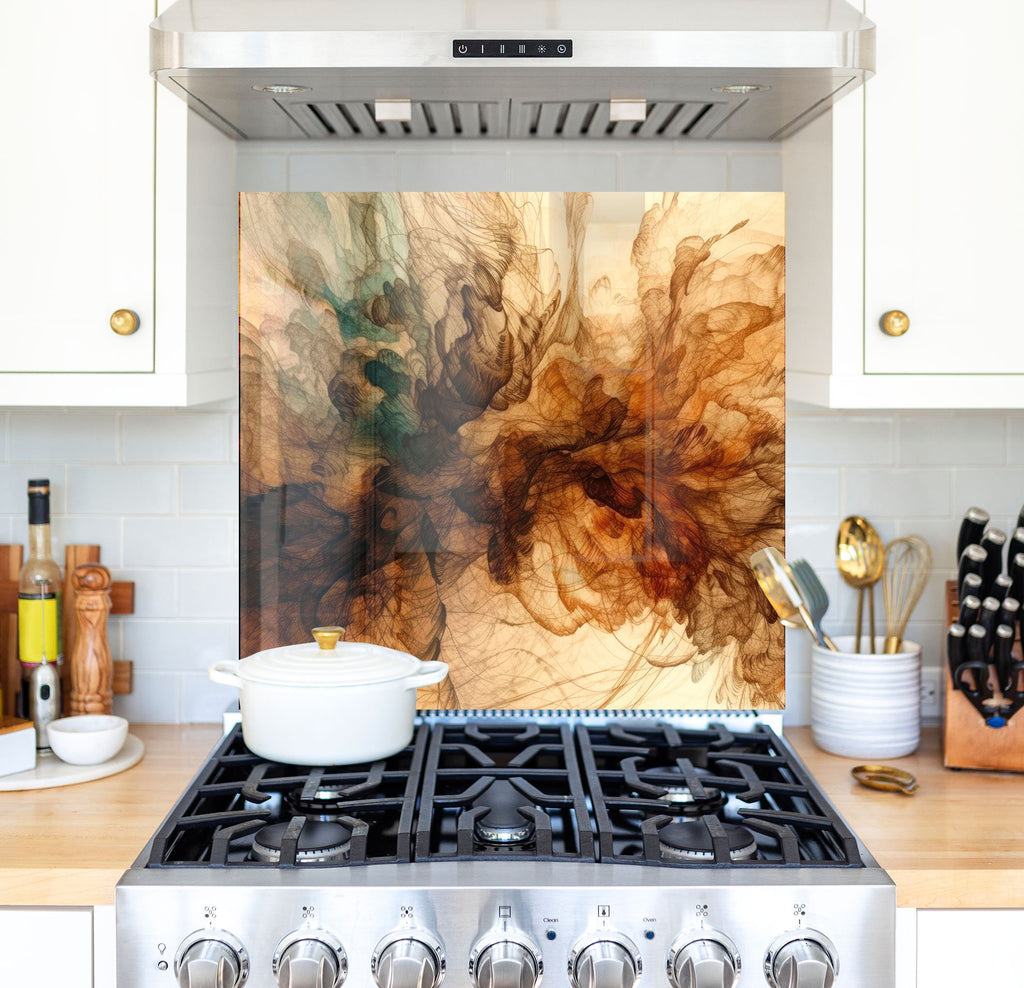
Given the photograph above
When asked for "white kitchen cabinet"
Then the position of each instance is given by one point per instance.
(46, 946)
(114, 197)
(969, 947)
(907, 197)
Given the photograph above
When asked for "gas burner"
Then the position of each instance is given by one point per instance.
(502, 824)
(682, 801)
(327, 803)
(691, 841)
(319, 843)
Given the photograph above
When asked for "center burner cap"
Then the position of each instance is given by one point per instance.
(691, 841)
(319, 842)
(503, 823)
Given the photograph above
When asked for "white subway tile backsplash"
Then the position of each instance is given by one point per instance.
(179, 542)
(175, 437)
(77, 437)
(811, 540)
(104, 531)
(846, 440)
(154, 699)
(156, 592)
(209, 490)
(897, 493)
(966, 440)
(812, 493)
(203, 701)
(14, 478)
(343, 172)
(1015, 439)
(209, 593)
(120, 489)
(5, 421)
(179, 645)
(999, 490)
(651, 172)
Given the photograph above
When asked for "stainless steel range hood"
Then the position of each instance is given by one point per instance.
(496, 69)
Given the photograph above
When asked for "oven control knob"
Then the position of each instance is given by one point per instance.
(211, 959)
(709, 960)
(801, 959)
(607, 961)
(506, 962)
(310, 959)
(410, 959)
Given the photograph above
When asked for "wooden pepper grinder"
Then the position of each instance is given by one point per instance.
(92, 670)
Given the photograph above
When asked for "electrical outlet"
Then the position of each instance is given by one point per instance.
(931, 694)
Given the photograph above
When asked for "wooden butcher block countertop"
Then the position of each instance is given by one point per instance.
(958, 843)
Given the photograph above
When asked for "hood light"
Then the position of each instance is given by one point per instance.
(741, 89)
(281, 90)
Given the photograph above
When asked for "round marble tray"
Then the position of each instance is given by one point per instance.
(50, 771)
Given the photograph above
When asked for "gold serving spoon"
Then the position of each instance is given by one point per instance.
(775, 579)
(860, 559)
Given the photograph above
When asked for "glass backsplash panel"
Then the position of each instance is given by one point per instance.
(535, 435)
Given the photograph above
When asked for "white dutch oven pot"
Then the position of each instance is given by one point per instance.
(328, 703)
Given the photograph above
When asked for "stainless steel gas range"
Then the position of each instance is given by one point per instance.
(499, 850)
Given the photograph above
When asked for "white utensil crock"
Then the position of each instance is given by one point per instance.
(304, 705)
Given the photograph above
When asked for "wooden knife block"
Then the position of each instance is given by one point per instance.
(122, 597)
(967, 741)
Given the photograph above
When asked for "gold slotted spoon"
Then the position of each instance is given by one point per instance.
(860, 559)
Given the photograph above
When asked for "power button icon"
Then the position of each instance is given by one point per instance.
(463, 49)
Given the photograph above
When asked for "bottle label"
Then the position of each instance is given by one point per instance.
(39, 629)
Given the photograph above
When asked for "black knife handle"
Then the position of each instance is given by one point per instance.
(972, 560)
(970, 587)
(970, 608)
(1009, 612)
(1005, 635)
(988, 618)
(1017, 576)
(993, 542)
(1016, 545)
(956, 654)
(973, 524)
(977, 660)
(1001, 586)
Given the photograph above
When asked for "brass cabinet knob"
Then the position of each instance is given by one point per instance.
(124, 322)
(895, 323)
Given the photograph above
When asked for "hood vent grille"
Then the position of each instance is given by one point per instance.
(575, 119)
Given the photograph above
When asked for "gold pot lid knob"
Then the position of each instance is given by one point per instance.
(124, 322)
(895, 322)
(327, 637)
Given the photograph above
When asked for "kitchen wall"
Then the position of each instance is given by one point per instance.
(158, 490)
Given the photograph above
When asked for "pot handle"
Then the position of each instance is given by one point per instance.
(429, 673)
(224, 673)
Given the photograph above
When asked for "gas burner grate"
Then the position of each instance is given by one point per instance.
(643, 781)
(238, 793)
(496, 790)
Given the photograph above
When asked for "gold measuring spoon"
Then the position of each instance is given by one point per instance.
(860, 559)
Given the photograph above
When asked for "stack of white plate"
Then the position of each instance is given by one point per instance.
(863, 705)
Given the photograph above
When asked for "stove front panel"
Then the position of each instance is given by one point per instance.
(553, 917)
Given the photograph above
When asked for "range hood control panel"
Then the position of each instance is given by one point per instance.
(514, 48)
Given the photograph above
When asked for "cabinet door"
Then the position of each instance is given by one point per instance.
(955, 947)
(944, 155)
(43, 946)
(76, 186)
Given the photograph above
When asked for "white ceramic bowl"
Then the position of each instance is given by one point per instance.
(88, 739)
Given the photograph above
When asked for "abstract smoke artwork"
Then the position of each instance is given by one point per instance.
(535, 435)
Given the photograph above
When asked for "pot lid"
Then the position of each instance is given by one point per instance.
(332, 664)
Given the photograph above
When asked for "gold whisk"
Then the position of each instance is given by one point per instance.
(908, 564)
